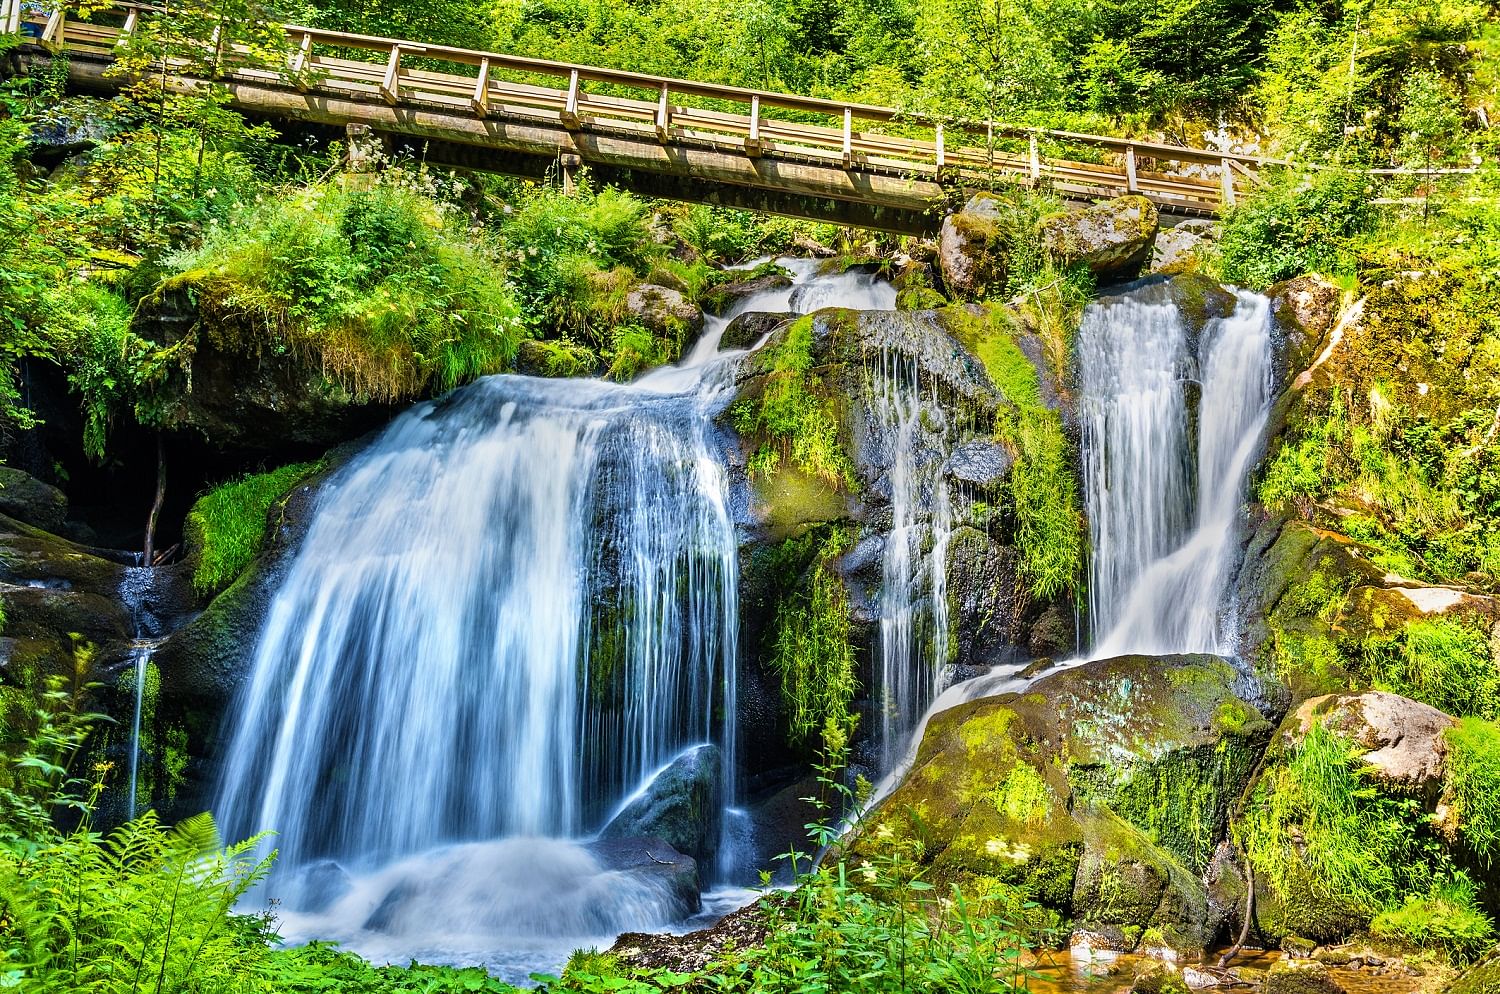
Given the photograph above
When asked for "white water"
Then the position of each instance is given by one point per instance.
(913, 590)
(428, 723)
(135, 592)
(1164, 503)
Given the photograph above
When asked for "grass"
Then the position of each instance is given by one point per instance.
(227, 525)
(1445, 662)
(1446, 918)
(1473, 783)
(380, 288)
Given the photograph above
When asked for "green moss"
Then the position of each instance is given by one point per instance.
(557, 358)
(1446, 662)
(1023, 795)
(635, 350)
(1473, 784)
(794, 418)
(1042, 487)
(227, 525)
(811, 653)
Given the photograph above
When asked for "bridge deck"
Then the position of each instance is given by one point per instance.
(854, 163)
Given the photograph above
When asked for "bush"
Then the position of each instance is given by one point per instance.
(226, 525)
(378, 287)
(1473, 783)
(812, 655)
(1445, 662)
(1296, 224)
(1446, 918)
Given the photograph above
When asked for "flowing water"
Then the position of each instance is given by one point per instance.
(508, 612)
(1171, 425)
(136, 590)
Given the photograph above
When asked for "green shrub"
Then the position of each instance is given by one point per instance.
(1296, 224)
(1473, 784)
(377, 286)
(227, 524)
(1445, 662)
(321, 968)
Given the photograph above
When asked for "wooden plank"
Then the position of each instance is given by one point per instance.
(1130, 184)
(390, 85)
(1228, 179)
(480, 101)
(752, 140)
(663, 115)
(570, 104)
(848, 137)
(1035, 155)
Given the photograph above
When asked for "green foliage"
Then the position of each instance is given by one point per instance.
(1473, 784)
(378, 286)
(1334, 849)
(227, 524)
(793, 418)
(812, 655)
(1296, 224)
(321, 968)
(1446, 918)
(1445, 662)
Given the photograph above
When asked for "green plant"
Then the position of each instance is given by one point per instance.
(1447, 917)
(1295, 224)
(227, 525)
(812, 655)
(1445, 662)
(1473, 783)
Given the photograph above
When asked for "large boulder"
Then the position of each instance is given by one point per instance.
(1403, 739)
(1181, 247)
(671, 873)
(1114, 239)
(746, 329)
(29, 500)
(1102, 792)
(664, 311)
(683, 804)
(971, 249)
(1481, 978)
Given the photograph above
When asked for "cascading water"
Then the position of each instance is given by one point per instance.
(1164, 489)
(507, 612)
(913, 590)
(136, 593)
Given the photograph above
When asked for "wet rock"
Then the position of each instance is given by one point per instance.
(1156, 977)
(683, 805)
(746, 329)
(971, 249)
(663, 310)
(1305, 310)
(1300, 977)
(1054, 632)
(983, 465)
(68, 128)
(1199, 979)
(1179, 248)
(654, 860)
(1114, 239)
(986, 599)
(31, 501)
(721, 298)
(322, 884)
(1404, 739)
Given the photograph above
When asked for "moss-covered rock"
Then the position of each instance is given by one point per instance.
(1481, 978)
(1101, 792)
(1300, 977)
(31, 501)
(1114, 239)
(683, 805)
(972, 248)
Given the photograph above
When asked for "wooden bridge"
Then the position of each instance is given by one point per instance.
(832, 160)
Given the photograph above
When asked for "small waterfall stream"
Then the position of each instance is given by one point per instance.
(508, 612)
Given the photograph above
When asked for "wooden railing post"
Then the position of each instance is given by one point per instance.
(128, 29)
(300, 61)
(848, 137)
(10, 20)
(752, 144)
(663, 115)
(570, 105)
(481, 99)
(57, 26)
(1130, 186)
(1228, 180)
(390, 88)
(941, 157)
(1036, 160)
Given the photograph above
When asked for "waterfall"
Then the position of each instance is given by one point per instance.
(913, 591)
(140, 660)
(1164, 487)
(508, 612)
(138, 595)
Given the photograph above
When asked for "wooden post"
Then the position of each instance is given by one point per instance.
(390, 89)
(128, 29)
(1228, 179)
(300, 61)
(570, 165)
(570, 105)
(481, 99)
(57, 26)
(1036, 160)
(7, 7)
(752, 144)
(663, 115)
(941, 157)
(1130, 186)
(848, 137)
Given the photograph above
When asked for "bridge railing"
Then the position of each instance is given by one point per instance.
(841, 134)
